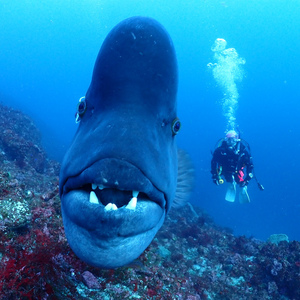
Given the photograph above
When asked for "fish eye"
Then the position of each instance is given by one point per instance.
(81, 108)
(176, 125)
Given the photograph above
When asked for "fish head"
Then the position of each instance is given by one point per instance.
(119, 176)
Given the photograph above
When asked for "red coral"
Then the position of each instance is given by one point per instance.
(34, 262)
(151, 292)
(26, 271)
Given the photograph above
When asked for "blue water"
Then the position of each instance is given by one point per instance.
(48, 49)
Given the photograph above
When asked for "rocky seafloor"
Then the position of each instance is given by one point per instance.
(190, 258)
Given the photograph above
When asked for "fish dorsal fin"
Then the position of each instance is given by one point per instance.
(185, 179)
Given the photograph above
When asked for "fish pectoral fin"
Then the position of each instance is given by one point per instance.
(185, 179)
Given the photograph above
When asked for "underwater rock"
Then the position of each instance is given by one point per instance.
(20, 140)
(277, 238)
(90, 280)
(228, 268)
(163, 252)
(14, 214)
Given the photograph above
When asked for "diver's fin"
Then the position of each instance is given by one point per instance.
(185, 179)
(230, 194)
(243, 195)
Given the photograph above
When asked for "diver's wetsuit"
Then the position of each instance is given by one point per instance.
(232, 161)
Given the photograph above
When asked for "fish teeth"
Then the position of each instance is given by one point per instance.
(99, 186)
(93, 198)
(135, 194)
(110, 206)
(132, 203)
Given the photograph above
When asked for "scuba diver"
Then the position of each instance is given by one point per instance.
(232, 161)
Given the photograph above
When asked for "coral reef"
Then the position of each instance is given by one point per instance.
(190, 258)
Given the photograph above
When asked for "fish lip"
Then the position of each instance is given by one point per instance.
(128, 178)
(94, 217)
(106, 245)
(110, 224)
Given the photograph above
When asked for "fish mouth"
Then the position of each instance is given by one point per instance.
(113, 198)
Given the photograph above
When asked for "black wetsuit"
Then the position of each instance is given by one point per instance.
(228, 162)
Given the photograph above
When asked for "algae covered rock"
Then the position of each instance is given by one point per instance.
(14, 213)
(277, 238)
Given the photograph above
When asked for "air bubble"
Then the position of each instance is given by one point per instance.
(219, 45)
(227, 71)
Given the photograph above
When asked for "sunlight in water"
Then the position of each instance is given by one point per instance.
(227, 71)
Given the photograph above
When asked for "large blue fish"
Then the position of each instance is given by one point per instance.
(119, 177)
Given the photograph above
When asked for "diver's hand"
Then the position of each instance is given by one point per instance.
(215, 179)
